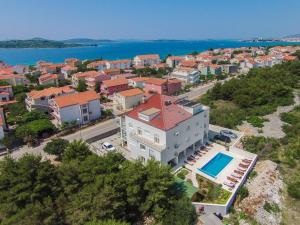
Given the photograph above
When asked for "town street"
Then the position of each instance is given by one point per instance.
(100, 128)
(84, 134)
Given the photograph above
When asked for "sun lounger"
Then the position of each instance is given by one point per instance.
(236, 175)
(239, 172)
(188, 163)
(243, 165)
(232, 179)
(247, 160)
(241, 169)
(229, 184)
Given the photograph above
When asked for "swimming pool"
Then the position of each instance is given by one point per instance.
(216, 164)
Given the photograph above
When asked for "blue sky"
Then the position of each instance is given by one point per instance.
(148, 19)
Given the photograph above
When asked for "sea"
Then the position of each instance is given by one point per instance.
(121, 50)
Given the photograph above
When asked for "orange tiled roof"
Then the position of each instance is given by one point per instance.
(50, 91)
(47, 76)
(138, 79)
(115, 82)
(131, 92)
(156, 81)
(149, 56)
(86, 74)
(76, 99)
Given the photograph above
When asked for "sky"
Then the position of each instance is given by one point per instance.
(148, 19)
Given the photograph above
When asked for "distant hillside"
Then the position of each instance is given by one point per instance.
(86, 41)
(293, 36)
(36, 43)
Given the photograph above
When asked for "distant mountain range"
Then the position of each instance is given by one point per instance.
(86, 41)
(293, 36)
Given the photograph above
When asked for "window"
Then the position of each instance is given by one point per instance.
(176, 133)
(197, 124)
(143, 147)
(156, 138)
(140, 131)
(151, 153)
(84, 110)
(85, 118)
(188, 127)
(43, 98)
(176, 146)
(204, 125)
(205, 115)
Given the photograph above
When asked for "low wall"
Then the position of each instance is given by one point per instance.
(104, 135)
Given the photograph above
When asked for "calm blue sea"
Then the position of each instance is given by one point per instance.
(120, 50)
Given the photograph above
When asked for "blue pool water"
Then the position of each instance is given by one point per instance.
(216, 164)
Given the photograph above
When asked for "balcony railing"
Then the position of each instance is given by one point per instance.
(147, 142)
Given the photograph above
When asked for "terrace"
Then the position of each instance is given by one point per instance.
(217, 171)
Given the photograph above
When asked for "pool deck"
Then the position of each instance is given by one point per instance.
(237, 154)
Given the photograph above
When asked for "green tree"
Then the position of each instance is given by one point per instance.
(56, 147)
(97, 87)
(182, 213)
(76, 149)
(107, 222)
(81, 87)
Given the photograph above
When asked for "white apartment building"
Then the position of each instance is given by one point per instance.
(173, 61)
(81, 107)
(146, 60)
(165, 129)
(119, 64)
(40, 99)
(187, 75)
(128, 99)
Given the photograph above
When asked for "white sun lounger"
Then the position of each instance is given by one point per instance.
(229, 184)
(236, 175)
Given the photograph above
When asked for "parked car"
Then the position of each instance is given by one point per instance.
(108, 146)
(223, 138)
(228, 133)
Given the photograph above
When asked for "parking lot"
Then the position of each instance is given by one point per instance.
(115, 140)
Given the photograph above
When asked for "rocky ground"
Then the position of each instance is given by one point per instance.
(266, 186)
(272, 127)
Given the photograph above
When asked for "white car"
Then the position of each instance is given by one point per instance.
(108, 146)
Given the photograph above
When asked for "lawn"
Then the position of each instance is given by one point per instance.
(187, 187)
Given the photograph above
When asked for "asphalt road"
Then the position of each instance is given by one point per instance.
(82, 134)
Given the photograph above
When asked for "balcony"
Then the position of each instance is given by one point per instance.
(147, 142)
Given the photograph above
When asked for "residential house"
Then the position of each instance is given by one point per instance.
(40, 99)
(137, 82)
(68, 70)
(48, 79)
(82, 107)
(215, 69)
(73, 62)
(119, 64)
(187, 75)
(110, 87)
(230, 69)
(165, 129)
(173, 61)
(188, 64)
(14, 79)
(146, 60)
(83, 76)
(8, 89)
(162, 86)
(128, 99)
(98, 65)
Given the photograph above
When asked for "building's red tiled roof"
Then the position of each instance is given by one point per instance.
(156, 81)
(150, 56)
(131, 92)
(76, 99)
(87, 74)
(139, 79)
(115, 82)
(47, 76)
(119, 61)
(50, 91)
(168, 117)
(178, 58)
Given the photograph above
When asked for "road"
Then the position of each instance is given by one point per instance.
(84, 134)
